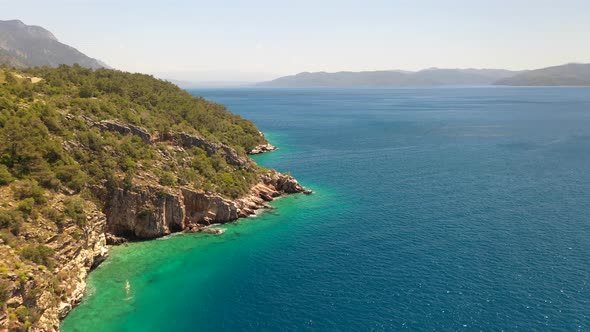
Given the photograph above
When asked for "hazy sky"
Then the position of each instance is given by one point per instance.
(260, 39)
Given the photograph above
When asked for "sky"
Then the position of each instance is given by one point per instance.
(257, 40)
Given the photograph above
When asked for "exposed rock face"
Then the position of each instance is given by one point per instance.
(151, 211)
(262, 148)
(284, 183)
(183, 139)
(205, 208)
(145, 212)
(189, 141)
(75, 260)
(125, 129)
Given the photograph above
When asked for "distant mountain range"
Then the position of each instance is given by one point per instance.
(569, 74)
(24, 45)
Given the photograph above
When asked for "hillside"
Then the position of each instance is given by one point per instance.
(24, 46)
(95, 157)
(427, 77)
(575, 74)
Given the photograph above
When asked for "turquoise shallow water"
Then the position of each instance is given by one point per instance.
(436, 209)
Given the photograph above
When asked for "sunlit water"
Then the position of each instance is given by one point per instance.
(435, 209)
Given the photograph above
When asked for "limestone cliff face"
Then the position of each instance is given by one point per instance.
(205, 208)
(75, 262)
(74, 259)
(144, 212)
(148, 212)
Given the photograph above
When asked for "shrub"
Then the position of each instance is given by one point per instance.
(72, 176)
(54, 215)
(12, 220)
(29, 188)
(86, 91)
(128, 164)
(22, 314)
(4, 292)
(5, 176)
(74, 208)
(26, 206)
(146, 212)
(167, 179)
(39, 253)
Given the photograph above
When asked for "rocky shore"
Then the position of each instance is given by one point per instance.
(144, 210)
(93, 158)
(263, 148)
(145, 213)
(151, 211)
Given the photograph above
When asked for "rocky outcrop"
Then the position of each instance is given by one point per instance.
(284, 183)
(231, 156)
(145, 212)
(179, 138)
(74, 259)
(76, 265)
(207, 208)
(125, 129)
(262, 148)
(148, 212)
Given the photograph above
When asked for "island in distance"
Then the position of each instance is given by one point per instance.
(572, 74)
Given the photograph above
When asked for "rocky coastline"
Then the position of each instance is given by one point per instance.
(99, 158)
(151, 211)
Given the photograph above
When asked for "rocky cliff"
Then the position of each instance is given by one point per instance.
(148, 210)
(151, 211)
(145, 211)
(53, 293)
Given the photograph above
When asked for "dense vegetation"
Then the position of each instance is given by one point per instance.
(55, 163)
(45, 138)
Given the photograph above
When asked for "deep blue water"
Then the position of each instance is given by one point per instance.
(435, 209)
(455, 208)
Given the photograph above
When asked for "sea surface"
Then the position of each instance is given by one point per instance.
(449, 209)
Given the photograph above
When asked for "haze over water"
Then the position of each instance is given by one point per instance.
(435, 209)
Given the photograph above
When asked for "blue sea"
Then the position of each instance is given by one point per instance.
(435, 209)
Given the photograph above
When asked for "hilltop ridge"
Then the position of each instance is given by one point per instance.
(23, 46)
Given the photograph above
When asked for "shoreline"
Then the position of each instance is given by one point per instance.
(273, 185)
